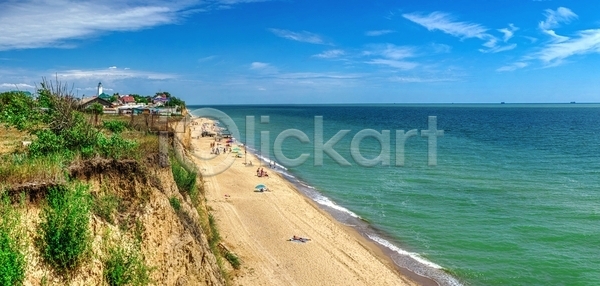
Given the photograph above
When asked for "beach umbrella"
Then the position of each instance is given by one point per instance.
(236, 149)
(260, 187)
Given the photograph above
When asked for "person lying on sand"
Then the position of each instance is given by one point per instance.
(298, 238)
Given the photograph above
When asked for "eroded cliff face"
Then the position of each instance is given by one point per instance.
(173, 243)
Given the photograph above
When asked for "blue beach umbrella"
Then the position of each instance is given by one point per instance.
(260, 187)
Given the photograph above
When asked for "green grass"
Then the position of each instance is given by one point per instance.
(233, 260)
(12, 248)
(175, 203)
(185, 179)
(65, 233)
(126, 266)
(21, 168)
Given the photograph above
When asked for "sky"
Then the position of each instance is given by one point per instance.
(296, 52)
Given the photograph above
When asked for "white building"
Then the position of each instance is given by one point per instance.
(99, 89)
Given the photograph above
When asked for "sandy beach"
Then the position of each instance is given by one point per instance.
(257, 227)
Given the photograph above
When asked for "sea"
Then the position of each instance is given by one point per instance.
(506, 194)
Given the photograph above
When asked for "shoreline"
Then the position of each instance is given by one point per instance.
(372, 258)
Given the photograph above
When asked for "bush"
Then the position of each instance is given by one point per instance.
(115, 126)
(114, 146)
(65, 233)
(12, 250)
(175, 203)
(47, 143)
(18, 109)
(126, 266)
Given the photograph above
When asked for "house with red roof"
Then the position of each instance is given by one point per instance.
(127, 100)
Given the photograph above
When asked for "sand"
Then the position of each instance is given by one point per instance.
(257, 225)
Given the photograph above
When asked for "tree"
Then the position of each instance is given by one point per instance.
(174, 101)
(96, 109)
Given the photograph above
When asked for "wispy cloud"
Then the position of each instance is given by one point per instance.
(378, 33)
(111, 73)
(559, 48)
(554, 19)
(206, 59)
(51, 23)
(403, 65)
(513, 66)
(508, 32)
(48, 23)
(303, 36)
(446, 23)
(416, 79)
(392, 56)
(390, 51)
(314, 75)
(330, 54)
(258, 66)
(16, 86)
(586, 42)
(263, 68)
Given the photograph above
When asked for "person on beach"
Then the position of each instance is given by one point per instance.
(258, 172)
(298, 238)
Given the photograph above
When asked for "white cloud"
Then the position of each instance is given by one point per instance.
(555, 18)
(50, 23)
(16, 86)
(31, 24)
(440, 48)
(512, 67)
(313, 75)
(508, 32)
(303, 36)
(445, 22)
(403, 65)
(390, 51)
(330, 54)
(258, 66)
(415, 79)
(392, 56)
(378, 33)
(111, 74)
(586, 42)
(497, 49)
(206, 59)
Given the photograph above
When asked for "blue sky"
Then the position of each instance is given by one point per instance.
(253, 51)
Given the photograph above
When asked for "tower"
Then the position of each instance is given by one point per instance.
(99, 88)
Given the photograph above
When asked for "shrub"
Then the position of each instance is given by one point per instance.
(114, 146)
(126, 266)
(175, 203)
(18, 109)
(12, 250)
(115, 126)
(47, 142)
(65, 233)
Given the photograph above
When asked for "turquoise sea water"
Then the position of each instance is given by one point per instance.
(513, 200)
